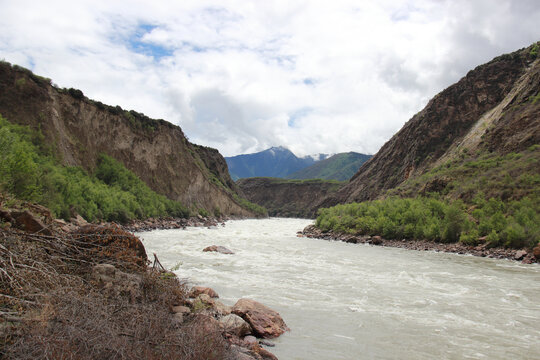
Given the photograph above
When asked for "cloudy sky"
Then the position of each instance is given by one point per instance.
(241, 76)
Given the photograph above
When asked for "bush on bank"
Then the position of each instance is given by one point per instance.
(513, 224)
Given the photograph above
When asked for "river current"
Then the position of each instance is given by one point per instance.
(348, 301)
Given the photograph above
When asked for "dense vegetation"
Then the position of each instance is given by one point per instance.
(513, 224)
(30, 171)
(337, 167)
(474, 198)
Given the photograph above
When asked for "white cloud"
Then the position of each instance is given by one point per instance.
(315, 76)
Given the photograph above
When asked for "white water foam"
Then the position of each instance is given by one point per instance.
(346, 301)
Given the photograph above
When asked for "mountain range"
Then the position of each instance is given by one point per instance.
(339, 167)
(280, 162)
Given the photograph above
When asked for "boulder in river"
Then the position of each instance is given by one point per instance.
(265, 322)
(217, 248)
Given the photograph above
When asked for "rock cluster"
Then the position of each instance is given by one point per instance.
(174, 223)
(244, 325)
(524, 255)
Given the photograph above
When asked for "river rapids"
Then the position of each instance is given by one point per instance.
(348, 301)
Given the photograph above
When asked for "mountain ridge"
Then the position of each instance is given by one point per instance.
(273, 162)
(341, 167)
(80, 129)
(280, 162)
(449, 119)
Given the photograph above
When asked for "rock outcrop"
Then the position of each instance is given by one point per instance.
(235, 325)
(80, 129)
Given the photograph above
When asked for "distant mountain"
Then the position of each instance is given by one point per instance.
(274, 162)
(340, 167)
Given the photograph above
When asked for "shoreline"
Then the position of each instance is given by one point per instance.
(110, 260)
(525, 256)
(151, 224)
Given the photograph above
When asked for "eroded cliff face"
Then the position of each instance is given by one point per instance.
(287, 198)
(79, 129)
(491, 109)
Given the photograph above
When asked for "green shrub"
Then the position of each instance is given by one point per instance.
(454, 218)
(203, 213)
(469, 238)
(257, 209)
(512, 224)
(514, 236)
(534, 51)
(493, 240)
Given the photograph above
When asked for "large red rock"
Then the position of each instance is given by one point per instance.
(198, 290)
(265, 322)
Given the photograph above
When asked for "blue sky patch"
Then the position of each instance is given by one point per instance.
(136, 44)
(298, 114)
(309, 81)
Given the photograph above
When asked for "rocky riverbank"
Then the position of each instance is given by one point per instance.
(175, 223)
(526, 256)
(87, 291)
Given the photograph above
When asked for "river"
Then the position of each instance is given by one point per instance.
(348, 301)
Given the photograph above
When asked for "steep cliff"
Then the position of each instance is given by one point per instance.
(287, 198)
(80, 129)
(493, 110)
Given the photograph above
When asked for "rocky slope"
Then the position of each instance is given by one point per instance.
(494, 109)
(79, 129)
(287, 198)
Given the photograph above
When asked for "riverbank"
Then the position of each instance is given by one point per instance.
(87, 291)
(526, 256)
(151, 224)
